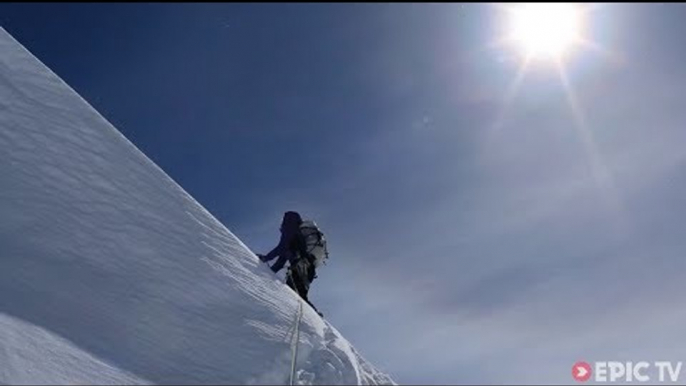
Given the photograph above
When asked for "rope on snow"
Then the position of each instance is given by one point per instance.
(295, 343)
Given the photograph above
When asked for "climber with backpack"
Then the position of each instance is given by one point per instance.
(303, 246)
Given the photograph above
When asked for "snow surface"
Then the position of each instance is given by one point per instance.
(110, 273)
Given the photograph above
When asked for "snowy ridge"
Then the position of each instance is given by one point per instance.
(111, 273)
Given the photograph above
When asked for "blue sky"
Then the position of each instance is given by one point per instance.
(475, 238)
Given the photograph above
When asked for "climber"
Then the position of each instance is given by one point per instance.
(292, 248)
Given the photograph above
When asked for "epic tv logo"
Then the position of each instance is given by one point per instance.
(627, 371)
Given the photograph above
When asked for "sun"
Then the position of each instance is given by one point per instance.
(545, 30)
(548, 34)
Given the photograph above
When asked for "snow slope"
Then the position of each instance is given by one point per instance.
(110, 273)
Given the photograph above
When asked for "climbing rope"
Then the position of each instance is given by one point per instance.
(295, 343)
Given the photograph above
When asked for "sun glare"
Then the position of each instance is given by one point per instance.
(545, 30)
(547, 33)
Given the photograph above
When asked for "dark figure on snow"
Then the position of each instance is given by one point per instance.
(292, 249)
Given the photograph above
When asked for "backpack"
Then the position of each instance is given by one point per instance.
(315, 242)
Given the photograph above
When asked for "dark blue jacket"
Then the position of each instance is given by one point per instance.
(291, 245)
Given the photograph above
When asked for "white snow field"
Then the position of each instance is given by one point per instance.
(111, 274)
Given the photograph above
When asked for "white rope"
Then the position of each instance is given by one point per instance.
(291, 330)
(296, 342)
